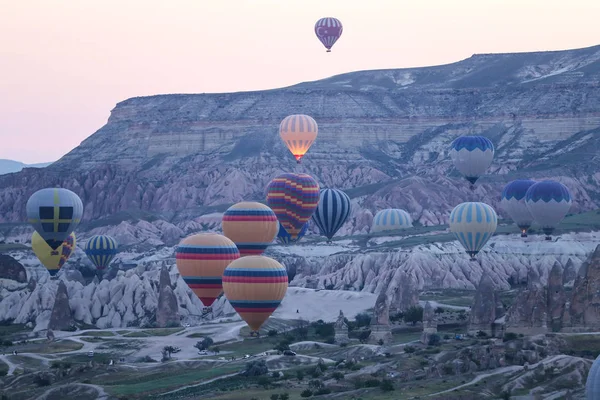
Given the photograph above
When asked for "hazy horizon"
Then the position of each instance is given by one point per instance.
(69, 63)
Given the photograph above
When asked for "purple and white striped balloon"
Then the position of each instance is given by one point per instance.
(328, 30)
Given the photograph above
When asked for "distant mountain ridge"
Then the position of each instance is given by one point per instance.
(11, 166)
(383, 138)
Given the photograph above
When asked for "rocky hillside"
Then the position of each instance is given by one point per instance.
(383, 137)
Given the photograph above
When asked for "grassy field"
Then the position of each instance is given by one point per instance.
(8, 330)
(4, 247)
(3, 368)
(141, 385)
(98, 333)
(453, 297)
(154, 332)
(44, 347)
(582, 345)
(25, 361)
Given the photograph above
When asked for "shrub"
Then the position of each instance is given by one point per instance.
(434, 340)
(409, 349)
(323, 391)
(387, 385)
(338, 376)
(300, 374)
(273, 332)
(508, 336)
(306, 393)
(372, 383)
(413, 315)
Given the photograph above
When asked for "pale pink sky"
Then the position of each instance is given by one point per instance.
(64, 64)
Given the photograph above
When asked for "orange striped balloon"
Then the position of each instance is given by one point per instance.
(251, 225)
(201, 260)
(255, 286)
(298, 132)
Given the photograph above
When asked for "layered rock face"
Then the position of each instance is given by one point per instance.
(486, 308)
(383, 137)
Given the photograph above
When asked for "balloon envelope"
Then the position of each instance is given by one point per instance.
(285, 238)
(391, 219)
(293, 198)
(332, 211)
(548, 202)
(473, 224)
(101, 250)
(513, 202)
(592, 385)
(328, 30)
(472, 156)
(54, 214)
(298, 132)
(255, 286)
(201, 260)
(53, 260)
(252, 226)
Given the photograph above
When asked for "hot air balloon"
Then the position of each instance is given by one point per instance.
(54, 214)
(101, 250)
(53, 260)
(548, 202)
(592, 385)
(332, 212)
(328, 30)
(391, 219)
(513, 202)
(293, 198)
(251, 226)
(298, 132)
(472, 156)
(284, 238)
(201, 260)
(255, 286)
(473, 224)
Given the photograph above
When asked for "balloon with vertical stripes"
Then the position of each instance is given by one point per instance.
(255, 286)
(54, 214)
(472, 156)
(201, 260)
(391, 219)
(298, 132)
(473, 224)
(101, 250)
(331, 213)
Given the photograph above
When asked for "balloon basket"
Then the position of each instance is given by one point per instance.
(206, 310)
(255, 334)
(523, 234)
(328, 51)
(549, 238)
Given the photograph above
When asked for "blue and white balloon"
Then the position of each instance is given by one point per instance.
(391, 219)
(592, 385)
(548, 202)
(473, 224)
(513, 202)
(331, 213)
(472, 156)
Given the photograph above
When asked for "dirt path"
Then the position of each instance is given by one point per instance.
(11, 366)
(101, 395)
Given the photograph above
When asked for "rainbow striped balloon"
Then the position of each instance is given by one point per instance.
(201, 260)
(255, 286)
(294, 198)
(252, 226)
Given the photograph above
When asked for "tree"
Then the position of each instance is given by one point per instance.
(255, 368)
(434, 340)
(284, 396)
(168, 350)
(272, 332)
(338, 376)
(274, 397)
(283, 345)
(413, 315)
(387, 385)
(363, 319)
(363, 336)
(216, 349)
(323, 329)
(204, 344)
(316, 384)
(300, 374)
(302, 329)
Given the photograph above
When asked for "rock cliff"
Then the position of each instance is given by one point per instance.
(383, 137)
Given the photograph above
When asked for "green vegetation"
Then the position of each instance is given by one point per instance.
(145, 383)
(581, 345)
(154, 332)
(4, 247)
(98, 333)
